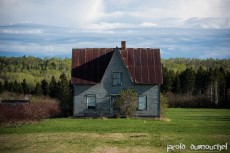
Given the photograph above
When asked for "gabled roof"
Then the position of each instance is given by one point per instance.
(89, 64)
(143, 64)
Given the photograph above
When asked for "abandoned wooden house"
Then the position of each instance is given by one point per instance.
(99, 74)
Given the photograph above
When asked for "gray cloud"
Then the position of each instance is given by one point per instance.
(174, 42)
(181, 28)
(85, 14)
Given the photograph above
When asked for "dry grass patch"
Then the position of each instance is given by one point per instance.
(73, 142)
(128, 149)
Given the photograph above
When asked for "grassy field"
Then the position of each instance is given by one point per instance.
(186, 126)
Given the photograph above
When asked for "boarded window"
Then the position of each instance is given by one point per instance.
(117, 78)
(91, 101)
(142, 102)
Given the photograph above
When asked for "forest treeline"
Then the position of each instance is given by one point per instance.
(196, 83)
(33, 69)
(187, 82)
(35, 76)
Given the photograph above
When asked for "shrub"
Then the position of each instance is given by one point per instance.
(185, 101)
(126, 103)
(39, 108)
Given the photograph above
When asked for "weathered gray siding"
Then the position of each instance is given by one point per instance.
(104, 90)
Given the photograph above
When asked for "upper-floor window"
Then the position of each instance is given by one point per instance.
(117, 78)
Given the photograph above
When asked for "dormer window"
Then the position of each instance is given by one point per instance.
(117, 78)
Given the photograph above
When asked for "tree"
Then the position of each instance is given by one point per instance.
(222, 86)
(38, 89)
(17, 88)
(25, 87)
(200, 81)
(187, 78)
(6, 85)
(210, 81)
(53, 88)
(167, 77)
(45, 87)
(176, 85)
(64, 94)
(126, 103)
(1, 87)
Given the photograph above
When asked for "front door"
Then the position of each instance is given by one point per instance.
(112, 100)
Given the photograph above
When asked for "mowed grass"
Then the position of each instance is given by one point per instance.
(187, 126)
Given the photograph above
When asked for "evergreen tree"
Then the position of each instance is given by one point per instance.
(53, 88)
(17, 88)
(11, 87)
(167, 80)
(222, 87)
(176, 85)
(45, 87)
(25, 87)
(65, 95)
(1, 87)
(6, 85)
(228, 89)
(200, 81)
(38, 89)
(187, 78)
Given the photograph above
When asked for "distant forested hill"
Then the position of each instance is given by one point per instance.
(33, 69)
(187, 82)
(180, 64)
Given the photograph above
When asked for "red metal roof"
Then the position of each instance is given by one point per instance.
(89, 64)
(143, 64)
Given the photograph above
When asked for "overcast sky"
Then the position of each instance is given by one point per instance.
(103, 18)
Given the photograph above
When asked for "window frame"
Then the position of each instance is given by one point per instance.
(138, 108)
(113, 78)
(87, 101)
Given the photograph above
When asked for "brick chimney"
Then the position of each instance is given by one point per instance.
(123, 45)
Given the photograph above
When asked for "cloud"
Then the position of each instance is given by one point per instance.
(174, 42)
(181, 28)
(148, 24)
(10, 31)
(53, 12)
(107, 25)
(216, 54)
(81, 13)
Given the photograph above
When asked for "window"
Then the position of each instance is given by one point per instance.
(91, 101)
(142, 102)
(117, 78)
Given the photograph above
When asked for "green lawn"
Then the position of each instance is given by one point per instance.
(187, 126)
